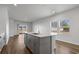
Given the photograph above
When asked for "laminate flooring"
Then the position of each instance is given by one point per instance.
(15, 46)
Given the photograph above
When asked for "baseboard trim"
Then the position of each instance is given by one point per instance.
(0, 50)
(29, 50)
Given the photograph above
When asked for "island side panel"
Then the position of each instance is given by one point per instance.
(45, 45)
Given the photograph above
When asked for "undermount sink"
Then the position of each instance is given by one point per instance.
(35, 33)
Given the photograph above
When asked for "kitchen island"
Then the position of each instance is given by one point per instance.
(38, 43)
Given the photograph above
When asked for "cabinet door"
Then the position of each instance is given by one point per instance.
(36, 45)
(26, 40)
(31, 42)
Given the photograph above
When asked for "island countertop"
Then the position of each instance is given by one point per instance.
(38, 35)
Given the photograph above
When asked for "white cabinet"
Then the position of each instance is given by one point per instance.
(2, 40)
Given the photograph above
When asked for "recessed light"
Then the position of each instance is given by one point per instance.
(53, 11)
(15, 4)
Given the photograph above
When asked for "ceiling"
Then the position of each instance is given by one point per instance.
(32, 12)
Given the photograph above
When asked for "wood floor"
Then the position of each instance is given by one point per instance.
(15, 46)
(66, 48)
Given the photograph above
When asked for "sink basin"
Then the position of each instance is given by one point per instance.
(35, 33)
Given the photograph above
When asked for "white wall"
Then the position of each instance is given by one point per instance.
(42, 25)
(4, 24)
(2, 19)
(73, 35)
(13, 26)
